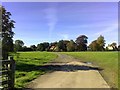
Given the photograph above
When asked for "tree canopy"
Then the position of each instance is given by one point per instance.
(101, 42)
(43, 46)
(98, 45)
(94, 46)
(81, 42)
(114, 46)
(71, 46)
(68, 45)
(18, 45)
(7, 33)
(33, 47)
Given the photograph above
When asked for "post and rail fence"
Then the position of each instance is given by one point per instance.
(7, 74)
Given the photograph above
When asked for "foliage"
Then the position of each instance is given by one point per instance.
(65, 45)
(81, 42)
(18, 45)
(94, 46)
(98, 45)
(114, 45)
(101, 42)
(33, 47)
(7, 33)
(62, 45)
(71, 46)
(43, 46)
(25, 48)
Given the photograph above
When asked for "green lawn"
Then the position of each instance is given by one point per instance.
(27, 64)
(106, 60)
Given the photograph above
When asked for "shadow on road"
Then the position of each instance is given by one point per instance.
(67, 68)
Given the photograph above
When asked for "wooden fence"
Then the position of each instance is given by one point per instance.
(7, 72)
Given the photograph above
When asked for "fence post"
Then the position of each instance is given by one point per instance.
(12, 73)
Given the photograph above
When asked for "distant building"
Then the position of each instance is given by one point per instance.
(52, 48)
(110, 48)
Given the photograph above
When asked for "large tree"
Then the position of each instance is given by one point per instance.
(98, 45)
(62, 45)
(6, 33)
(43, 46)
(40, 47)
(33, 47)
(114, 46)
(101, 42)
(71, 46)
(18, 45)
(81, 42)
(46, 46)
(94, 46)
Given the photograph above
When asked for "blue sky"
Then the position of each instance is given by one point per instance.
(48, 22)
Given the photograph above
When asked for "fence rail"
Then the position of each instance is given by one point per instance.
(7, 73)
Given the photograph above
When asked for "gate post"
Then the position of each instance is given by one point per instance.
(12, 73)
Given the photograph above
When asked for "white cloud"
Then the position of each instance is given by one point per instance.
(51, 16)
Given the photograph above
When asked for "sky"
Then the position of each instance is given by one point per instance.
(38, 22)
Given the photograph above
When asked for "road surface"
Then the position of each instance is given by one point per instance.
(68, 72)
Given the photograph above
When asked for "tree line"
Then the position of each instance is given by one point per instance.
(80, 44)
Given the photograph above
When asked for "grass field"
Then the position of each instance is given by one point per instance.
(106, 60)
(27, 64)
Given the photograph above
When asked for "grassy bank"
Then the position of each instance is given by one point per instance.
(106, 60)
(27, 66)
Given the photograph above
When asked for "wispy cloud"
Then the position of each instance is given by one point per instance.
(91, 25)
(108, 30)
(51, 16)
